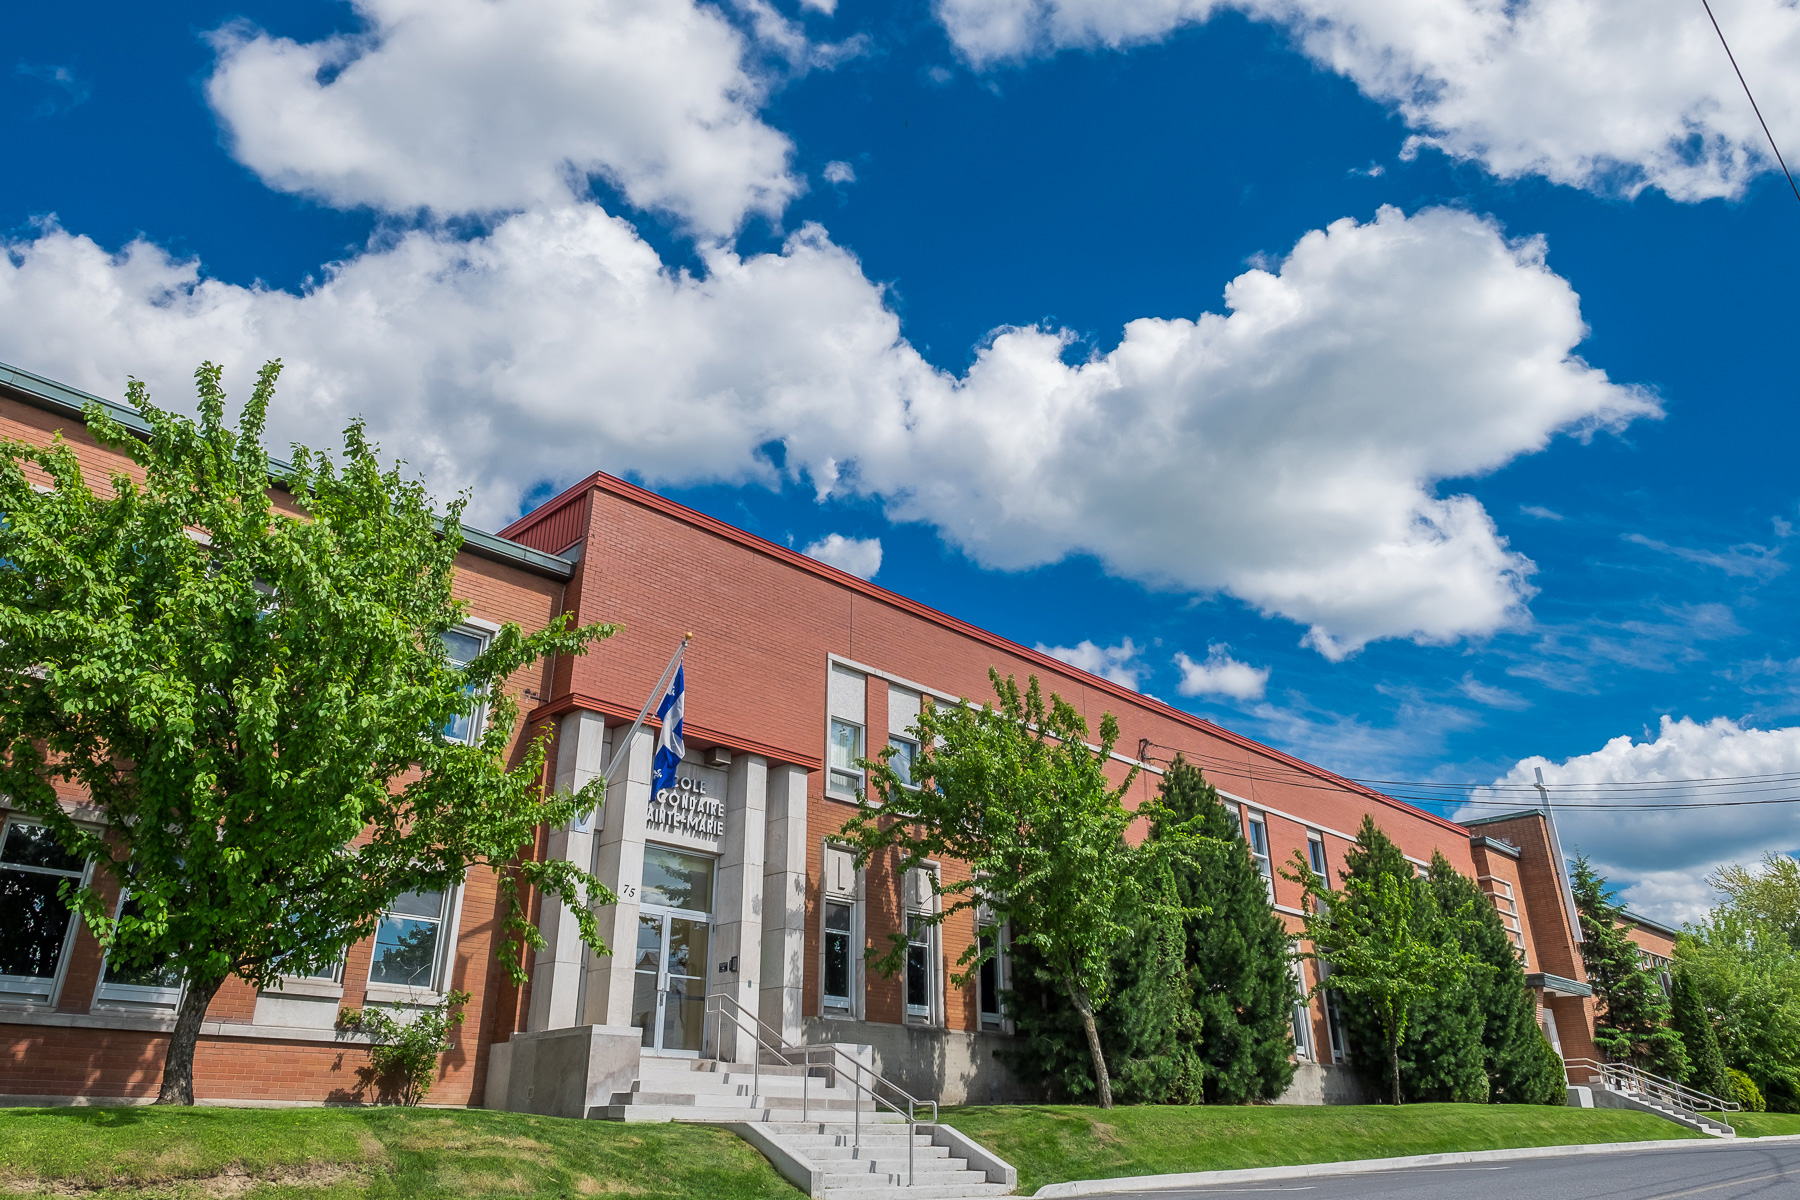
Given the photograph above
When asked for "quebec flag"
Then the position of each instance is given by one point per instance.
(669, 744)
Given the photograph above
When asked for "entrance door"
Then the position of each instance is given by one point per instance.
(674, 935)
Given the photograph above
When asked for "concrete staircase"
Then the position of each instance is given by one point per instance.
(809, 1128)
(1618, 1085)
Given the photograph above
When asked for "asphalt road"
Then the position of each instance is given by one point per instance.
(1707, 1171)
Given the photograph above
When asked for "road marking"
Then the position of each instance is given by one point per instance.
(1713, 1187)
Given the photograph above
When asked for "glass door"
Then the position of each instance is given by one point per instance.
(674, 936)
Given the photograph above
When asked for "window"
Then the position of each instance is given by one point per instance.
(1302, 1014)
(921, 956)
(918, 966)
(1315, 856)
(993, 978)
(156, 983)
(1259, 850)
(408, 941)
(838, 977)
(845, 778)
(35, 925)
(462, 645)
(905, 753)
(839, 926)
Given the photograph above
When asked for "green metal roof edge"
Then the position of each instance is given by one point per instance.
(1558, 984)
(1647, 923)
(56, 397)
(1511, 816)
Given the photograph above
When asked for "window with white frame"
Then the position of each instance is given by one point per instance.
(1256, 831)
(153, 984)
(846, 778)
(410, 942)
(847, 717)
(903, 717)
(462, 645)
(921, 945)
(905, 754)
(839, 939)
(1302, 1013)
(36, 927)
(1315, 856)
(994, 978)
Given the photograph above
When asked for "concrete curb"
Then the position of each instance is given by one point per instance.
(1150, 1183)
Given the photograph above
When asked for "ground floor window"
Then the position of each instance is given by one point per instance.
(1302, 1015)
(408, 941)
(35, 925)
(156, 983)
(918, 966)
(840, 928)
(992, 981)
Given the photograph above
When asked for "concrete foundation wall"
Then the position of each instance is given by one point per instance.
(562, 1072)
(1325, 1083)
(949, 1065)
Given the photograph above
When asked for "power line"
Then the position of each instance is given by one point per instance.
(1753, 105)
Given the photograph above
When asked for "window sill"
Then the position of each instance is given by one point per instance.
(386, 993)
(323, 988)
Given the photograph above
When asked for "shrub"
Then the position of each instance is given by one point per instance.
(1743, 1090)
(407, 1052)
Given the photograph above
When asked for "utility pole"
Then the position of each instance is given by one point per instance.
(1562, 865)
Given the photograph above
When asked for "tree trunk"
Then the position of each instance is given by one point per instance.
(1394, 1062)
(178, 1063)
(1078, 997)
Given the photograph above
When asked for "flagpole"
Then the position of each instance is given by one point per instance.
(661, 686)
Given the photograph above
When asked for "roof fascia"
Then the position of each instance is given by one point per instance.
(51, 396)
(793, 558)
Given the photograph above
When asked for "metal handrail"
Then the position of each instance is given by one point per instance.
(753, 1026)
(1627, 1077)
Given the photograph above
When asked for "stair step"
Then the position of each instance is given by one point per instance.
(922, 1192)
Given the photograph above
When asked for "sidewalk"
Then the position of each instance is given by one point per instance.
(1148, 1183)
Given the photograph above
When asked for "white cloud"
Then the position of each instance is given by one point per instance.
(1745, 559)
(491, 105)
(839, 172)
(1604, 94)
(1664, 853)
(860, 557)
(1117, 663)
(1221, 675)
(1288, 453)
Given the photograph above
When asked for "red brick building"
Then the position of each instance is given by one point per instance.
(732, 889)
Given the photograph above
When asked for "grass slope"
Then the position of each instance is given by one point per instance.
(1055, 1143)
(339, 1153)
(1764, 1124)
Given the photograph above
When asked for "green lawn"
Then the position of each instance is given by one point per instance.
(1054, 1143)
(340, 1153)
(1764, 1124)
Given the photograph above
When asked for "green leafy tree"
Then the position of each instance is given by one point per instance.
(1382, 937)
(1768, 895)
(1017, 794)
(1631, 1023)
(1706, 1063)
(407, 1052)
(254, 698)
(1519, 1066)
(1747, 975)
(1238, 951)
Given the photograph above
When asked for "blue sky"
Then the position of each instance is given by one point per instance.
(1401, 383)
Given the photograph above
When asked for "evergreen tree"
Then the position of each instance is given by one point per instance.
(1521, 1066)
(1706, 1062)
(1238, 953)
(1202, 1004)
(1441, 1054)
(1632, 1021)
